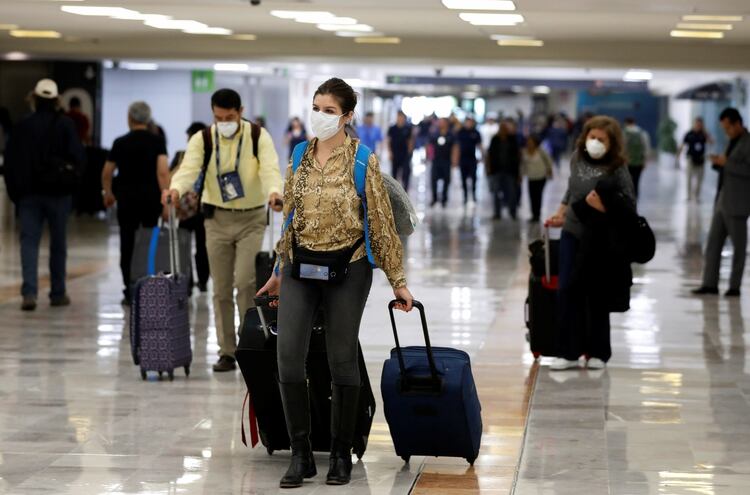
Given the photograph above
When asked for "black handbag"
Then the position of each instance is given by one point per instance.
(643, 243)
(322, 266)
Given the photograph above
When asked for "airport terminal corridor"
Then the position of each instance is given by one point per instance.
(668, 415)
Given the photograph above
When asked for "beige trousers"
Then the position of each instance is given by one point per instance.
(233, 239)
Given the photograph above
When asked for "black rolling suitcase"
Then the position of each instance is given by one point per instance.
(256, 356)
(541, 303)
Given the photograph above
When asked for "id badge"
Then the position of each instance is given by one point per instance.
(231, 187)
(313, 272)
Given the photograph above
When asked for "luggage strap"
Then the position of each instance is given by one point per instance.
(252, 419)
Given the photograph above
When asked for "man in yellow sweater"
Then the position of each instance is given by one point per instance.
(237, 184)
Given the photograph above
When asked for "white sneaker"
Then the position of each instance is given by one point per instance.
(560, 364)
(595, 364)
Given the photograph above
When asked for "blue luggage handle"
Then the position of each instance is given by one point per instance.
(436, 380)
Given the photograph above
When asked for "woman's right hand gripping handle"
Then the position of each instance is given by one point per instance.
(558, 219)
(271, 288)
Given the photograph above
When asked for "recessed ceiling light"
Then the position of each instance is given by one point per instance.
(231, 67)
(98, 11)
(16, 56)
(362, 28)
(491, 19)
(243, 37)
(342, 21)
(209, 30)
(498, 37)
(542, 90)
(300, 14)
(521, 42)
(182, 25)
(27, 33)
(378, 40)
(712, 27)
(139, 66)
(356, 34)
(714, 35)
(638, 75)
(479, 4)
(8, 27)
(714, 18)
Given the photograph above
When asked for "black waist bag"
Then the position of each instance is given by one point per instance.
(323, 266)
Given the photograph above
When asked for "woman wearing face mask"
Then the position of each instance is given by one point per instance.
(325, 216)
(583, 317)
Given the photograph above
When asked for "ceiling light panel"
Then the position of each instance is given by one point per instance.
(356, 34)
(710, 27)
(638, 75)
(98, 11)
(342, 21)
(231, 67)
(712, 18)
(482, 19)
(479, 4)
(26, 33)
(219, 31)
(363, 28)
(139, 66)
(521, 42)
(378, 40)
(243, 37)
(300, 14)
(714, 35)
(183, 25)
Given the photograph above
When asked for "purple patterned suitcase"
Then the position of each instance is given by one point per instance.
(160, 321)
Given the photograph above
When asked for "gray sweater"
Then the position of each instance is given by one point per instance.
(583, 179)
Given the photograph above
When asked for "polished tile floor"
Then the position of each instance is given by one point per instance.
(669, 416)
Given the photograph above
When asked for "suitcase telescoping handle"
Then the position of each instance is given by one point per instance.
(174, 251)
(264, 302)
(428, 346)
(547, 262)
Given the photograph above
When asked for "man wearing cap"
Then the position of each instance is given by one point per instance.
(43, 163)
(140, 158)
(239, 181)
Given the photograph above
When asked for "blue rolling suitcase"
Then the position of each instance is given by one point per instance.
(430, 399)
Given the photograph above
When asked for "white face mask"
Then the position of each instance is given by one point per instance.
(227, 129)
(324, 125)
(595, 148)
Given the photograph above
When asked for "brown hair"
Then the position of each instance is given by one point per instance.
(614, 156)
(339, 89)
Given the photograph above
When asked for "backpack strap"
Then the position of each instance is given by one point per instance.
(255, 136)
(361, 160)
(207, 150)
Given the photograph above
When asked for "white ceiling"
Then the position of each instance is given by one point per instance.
(598, 32)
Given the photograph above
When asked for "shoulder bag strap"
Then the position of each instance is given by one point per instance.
(361, 160)
(255, 136)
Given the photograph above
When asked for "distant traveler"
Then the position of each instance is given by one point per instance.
(488, 130)
(295, 134)
(326, 215)
(695, 140)
(236, 190)
(469, 142)
(140, 159)
(557, 136)
(732, 208)
(637, 149)
(446, 154)
(43, 164)
(585, 299)
(195, 223)
(401, 147)
(536, 165)
(369, 134)
(503, 170)
(80, 119)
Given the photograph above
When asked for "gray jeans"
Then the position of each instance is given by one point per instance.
(723, 226)
(343, 305)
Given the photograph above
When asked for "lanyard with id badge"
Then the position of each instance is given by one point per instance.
(230, 183)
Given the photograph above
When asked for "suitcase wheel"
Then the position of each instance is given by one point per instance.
(143, 374)
(269, 450)
(170, 374)
(537, 355)
(160, 374)
(406, 458)
(471, 461)
(187, 370)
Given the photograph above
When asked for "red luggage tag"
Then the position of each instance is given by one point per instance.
(253, 422)
(550, 284)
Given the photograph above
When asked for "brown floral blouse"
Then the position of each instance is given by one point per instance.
(328, 212)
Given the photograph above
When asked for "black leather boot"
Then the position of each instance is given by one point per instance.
(344, 403)
(297, 413)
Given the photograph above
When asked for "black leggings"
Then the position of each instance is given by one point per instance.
(536, 188)
(343, 305)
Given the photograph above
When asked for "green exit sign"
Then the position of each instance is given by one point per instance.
(203, 81)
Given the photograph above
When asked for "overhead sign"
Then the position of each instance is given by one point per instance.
(203, 81)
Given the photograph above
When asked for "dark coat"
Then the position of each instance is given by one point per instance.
(605, 254)
(504, 156)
